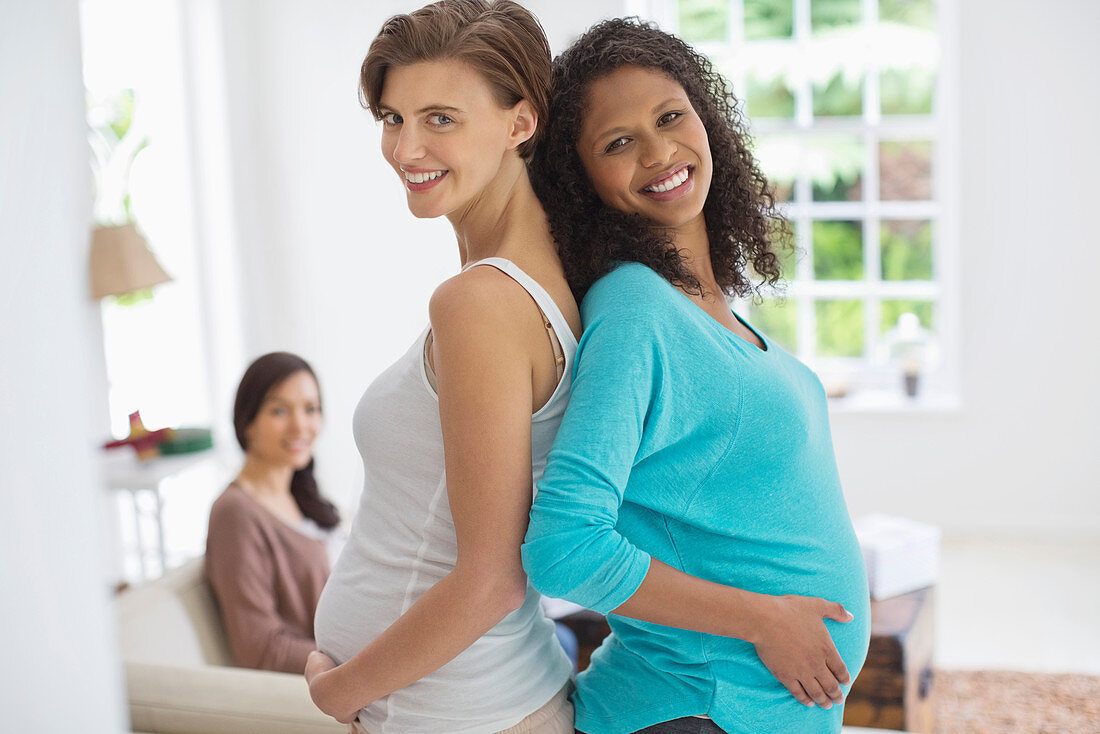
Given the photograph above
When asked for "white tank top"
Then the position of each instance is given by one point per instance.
(403, 541)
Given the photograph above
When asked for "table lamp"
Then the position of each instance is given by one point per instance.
(121, 262)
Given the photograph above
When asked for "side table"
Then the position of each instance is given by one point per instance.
(122, 470)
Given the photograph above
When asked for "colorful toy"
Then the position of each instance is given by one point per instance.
(151, 444)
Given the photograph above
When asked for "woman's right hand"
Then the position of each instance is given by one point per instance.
(796, 647)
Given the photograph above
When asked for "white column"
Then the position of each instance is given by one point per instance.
(61, 669)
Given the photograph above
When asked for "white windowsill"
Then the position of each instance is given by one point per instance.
(882, 401)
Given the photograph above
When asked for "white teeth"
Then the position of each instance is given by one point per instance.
(670, 183)
(421, 177)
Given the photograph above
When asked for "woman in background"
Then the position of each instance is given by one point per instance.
(692, 492)
(428, 613)
(267, 547)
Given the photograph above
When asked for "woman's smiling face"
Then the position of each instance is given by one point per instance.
(444, 133)
(645, 148)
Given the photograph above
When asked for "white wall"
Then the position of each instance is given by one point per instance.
(337, 269)
(1021, 455)
(61, 670)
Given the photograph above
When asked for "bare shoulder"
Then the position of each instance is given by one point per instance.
(481, 297)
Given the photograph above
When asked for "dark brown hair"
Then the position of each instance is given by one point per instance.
(498, 38)
(740, 213)
(261, 377)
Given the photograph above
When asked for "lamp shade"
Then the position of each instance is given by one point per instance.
(121, 262)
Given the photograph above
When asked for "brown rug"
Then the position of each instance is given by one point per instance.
(997, 702)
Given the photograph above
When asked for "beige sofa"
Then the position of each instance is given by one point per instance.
(179, 678)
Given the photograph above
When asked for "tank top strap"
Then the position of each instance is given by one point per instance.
(549, 308)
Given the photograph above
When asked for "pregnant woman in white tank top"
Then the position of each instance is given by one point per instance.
(428, 622)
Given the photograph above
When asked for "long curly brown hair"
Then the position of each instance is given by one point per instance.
(743, 225)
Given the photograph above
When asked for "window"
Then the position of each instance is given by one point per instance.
(843, 99)
(153, 343)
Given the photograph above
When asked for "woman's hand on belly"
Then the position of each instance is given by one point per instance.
(326, 690)
(794, 644)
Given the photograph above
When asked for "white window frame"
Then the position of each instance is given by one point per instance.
(873, 386)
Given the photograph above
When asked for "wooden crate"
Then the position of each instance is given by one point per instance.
(895, 689)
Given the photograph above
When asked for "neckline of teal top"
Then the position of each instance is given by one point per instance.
(715, 324)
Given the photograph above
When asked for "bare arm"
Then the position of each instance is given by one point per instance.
(484, 379)
(787, 631)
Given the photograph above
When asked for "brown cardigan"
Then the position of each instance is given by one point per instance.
(267, 578)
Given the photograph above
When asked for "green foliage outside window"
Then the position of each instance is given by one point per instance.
(907, 91)
(840, 96)
(917, 13)
(114, 147)
(769, 97)
(839, 328)
(786, 247)
(704, 20)
(833, 164)
(838, 250)
(827, 15)
(122, 113)
(906, 248)
(768, 19)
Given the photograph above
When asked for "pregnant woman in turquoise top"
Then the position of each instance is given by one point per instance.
(692, 493)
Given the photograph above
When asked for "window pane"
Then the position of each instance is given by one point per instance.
(777, 319)
(840, 96)
(781, 237)
(905, 170)
(892, 309)
(768, 19)
(785, 244)
(906, 249)
(779, 159)
(782, 188)
(917, 13)
(839, 328)
(907, 91)
(835, 166)
(838, 250)
(769, 97)
(829, 14)
(703, 20)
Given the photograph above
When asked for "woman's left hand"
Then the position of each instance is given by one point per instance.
(322, 676)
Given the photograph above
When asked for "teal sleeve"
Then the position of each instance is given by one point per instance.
(573, 549)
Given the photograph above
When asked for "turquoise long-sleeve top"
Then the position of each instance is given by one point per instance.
(686, 443)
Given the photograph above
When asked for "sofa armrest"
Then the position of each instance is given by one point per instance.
(220, 700)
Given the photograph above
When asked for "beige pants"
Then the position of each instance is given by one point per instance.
(555, 717)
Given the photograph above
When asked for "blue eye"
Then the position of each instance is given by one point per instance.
(391, 118)
(439, 120)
